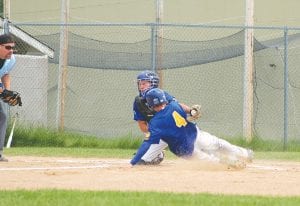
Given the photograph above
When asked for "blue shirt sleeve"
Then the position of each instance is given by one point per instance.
(140, 153)
(8, 66)
(136, 114)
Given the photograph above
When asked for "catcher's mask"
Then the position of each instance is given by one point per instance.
(155, 97)
(149, 76)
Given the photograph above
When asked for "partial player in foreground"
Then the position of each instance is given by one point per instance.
(147, 80)
(184, 138)
(11, 98)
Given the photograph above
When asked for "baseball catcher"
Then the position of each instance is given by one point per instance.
(12, 98)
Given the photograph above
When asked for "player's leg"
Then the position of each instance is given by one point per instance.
(202, 155)
(3, 125)
(222, 148)
(155, 154)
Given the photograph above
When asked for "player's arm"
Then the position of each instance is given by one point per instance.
(186, 108)
(193, 111)
(140, 153)
(171, 98)
(143, 125)
(154, 138)
(6, 81)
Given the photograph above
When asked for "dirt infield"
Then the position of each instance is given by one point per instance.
(258, 178)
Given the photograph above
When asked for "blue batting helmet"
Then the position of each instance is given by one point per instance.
(155, 97)
(149, 76)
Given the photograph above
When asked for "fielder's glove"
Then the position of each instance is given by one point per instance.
(195, 113)
(12, 98)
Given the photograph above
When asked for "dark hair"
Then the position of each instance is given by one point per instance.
(6, 38)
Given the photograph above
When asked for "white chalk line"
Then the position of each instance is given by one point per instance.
(262, 167)
(77, 161)
(53, 168)
(99, 164)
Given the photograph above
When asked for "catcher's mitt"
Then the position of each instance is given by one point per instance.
(195, 113)
(12, 98)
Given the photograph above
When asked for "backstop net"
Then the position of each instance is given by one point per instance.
(198, 65)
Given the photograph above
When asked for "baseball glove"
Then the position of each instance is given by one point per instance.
(12, 98)
(195, 113)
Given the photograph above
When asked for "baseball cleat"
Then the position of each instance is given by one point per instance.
(236, 164)
(157, 160)
(3, 159)
(233, 161)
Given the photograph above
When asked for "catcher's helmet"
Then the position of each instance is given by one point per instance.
(155, 97)
(149, 76)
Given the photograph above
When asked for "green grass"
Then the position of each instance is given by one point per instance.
(264, 144)
(98, 198)
(120, 153)
(287, 156)
(69, 152)
(42, 137)
(45, 142)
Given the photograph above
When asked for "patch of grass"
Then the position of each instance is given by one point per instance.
(69, 152)
(42, 137)
(286, 156)
(75, 197)
(260, 144)
(120, 153)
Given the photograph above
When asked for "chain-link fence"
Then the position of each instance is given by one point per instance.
(198, 65)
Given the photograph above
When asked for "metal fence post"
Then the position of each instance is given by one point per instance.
(153, 48)
(285, 88)
(5, 26)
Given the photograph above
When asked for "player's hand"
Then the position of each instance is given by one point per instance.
(12, 98)
(146, 135)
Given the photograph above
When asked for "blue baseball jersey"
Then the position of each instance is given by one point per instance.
(171, 126)
(138, 116)
(7, 66)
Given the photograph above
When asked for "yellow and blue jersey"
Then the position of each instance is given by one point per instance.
(171, 126)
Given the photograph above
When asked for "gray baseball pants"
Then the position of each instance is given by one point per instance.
(3, 124)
